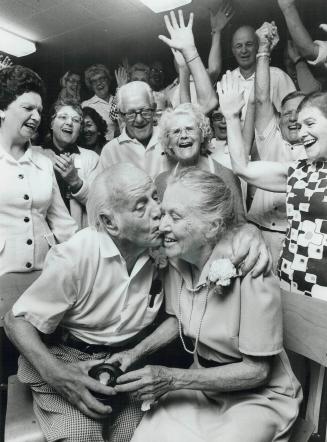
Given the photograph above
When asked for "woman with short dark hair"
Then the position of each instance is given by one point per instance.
(93, 130)
(33, 216)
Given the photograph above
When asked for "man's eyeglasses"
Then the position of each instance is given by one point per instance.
(145, 113)
(178, 131)
(66, 117)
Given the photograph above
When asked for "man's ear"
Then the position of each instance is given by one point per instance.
(109, 223)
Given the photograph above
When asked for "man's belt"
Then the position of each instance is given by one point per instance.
(74, 342)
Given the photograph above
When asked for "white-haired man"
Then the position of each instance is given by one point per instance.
(138, 142)
(97, 292)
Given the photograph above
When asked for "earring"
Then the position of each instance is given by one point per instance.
(2, 115)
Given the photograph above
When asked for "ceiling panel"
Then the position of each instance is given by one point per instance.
(107, 8)
(58, 20)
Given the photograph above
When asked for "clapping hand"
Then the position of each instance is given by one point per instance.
(223, 15)
(181, 35)
(231, 99)
(65, 166)
(5, 62)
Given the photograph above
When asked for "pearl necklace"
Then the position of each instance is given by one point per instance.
(180, 328)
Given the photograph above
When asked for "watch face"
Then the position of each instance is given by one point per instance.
(107, 375)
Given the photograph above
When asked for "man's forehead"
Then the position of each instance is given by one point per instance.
(243, 34)
(136, 187)
(136, 99)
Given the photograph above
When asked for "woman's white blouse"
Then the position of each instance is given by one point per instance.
(33, 216)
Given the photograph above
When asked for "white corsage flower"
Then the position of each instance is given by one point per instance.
(222, 271)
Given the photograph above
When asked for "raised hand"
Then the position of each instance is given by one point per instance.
(75, 385)
(231, 99)
(181, 35)
(148, 383)
(268, 36)
(223, 16)
(5, 62)
(121, 75)
(323, 27)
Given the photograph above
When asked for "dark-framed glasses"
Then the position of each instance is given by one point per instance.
(217, 117)
(146, 113)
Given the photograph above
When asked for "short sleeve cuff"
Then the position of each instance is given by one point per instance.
(43, 327)
(261, 328)
(82, 194)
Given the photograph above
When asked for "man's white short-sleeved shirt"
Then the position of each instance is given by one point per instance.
(86, 289)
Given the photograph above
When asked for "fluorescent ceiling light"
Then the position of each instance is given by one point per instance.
(164, 5)
(14, 45)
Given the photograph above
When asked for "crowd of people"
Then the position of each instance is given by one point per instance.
(166, 215)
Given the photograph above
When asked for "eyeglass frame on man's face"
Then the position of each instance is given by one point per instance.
(146, 113)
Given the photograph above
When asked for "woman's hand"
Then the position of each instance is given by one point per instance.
(230, 97)
(123, 359)
(65, 166)
(5, 62)
(148, 383)
(223, 16)
(181, 36)
(121, 76)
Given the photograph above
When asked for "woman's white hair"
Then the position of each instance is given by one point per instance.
(202, 121)
(216, 204)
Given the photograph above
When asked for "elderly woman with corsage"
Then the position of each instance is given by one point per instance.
(240, 385)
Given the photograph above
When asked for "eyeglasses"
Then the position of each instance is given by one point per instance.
(178, 131)
(66, 117)
(217, 117)
(145, 113)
